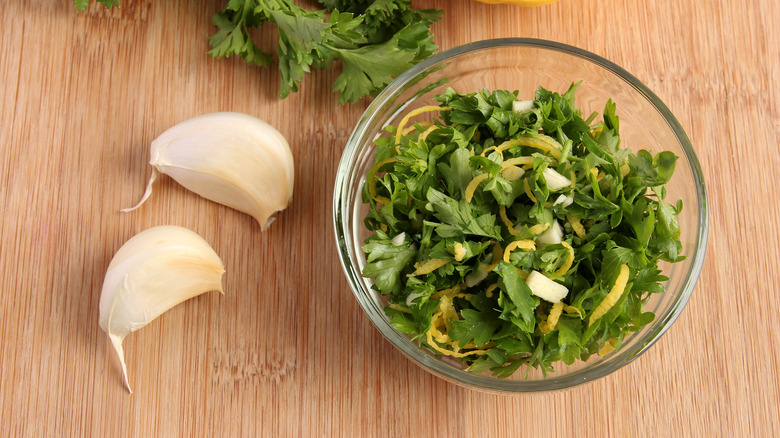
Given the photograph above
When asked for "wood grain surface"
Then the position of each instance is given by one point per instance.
(287, 351)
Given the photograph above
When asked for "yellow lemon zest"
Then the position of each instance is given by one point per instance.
(492, 149)
(440, 319)
(423, 109)
(527, 245)
(613, 296)
(371, 178)
(451, 291)
(425, 133)
(411, 129)
(501, 148)
(450, 352)
(399, 308)
(608, 347)
(596, 174)
(571, 310)
(552, 319)
(518, 2)
(516, 161)
(542, 142)
(576, 225)
(428, 266)
(569, 260)
(472, 187)
(434, 331)
(538, 228)
(506, 221)
(459, 251)
(528, 191)
(497, 255)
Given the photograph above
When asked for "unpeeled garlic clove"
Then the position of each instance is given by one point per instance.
(231, 158)
(152, 272)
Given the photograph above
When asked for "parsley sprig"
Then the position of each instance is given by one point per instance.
(374, 40)
(477, 305)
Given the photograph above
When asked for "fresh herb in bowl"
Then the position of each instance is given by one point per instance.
(510, 232)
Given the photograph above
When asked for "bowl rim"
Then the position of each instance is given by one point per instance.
(481, 382)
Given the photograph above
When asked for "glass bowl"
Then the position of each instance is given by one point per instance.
(524, 64)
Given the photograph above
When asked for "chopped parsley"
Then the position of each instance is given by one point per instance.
(512, 233)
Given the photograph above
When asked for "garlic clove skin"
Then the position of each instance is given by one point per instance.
(152, 272)
(231, 158)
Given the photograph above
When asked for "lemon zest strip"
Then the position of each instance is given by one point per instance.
(472, 187)
(428, 266)
(525, 244)
(552, 319)
(510, 226)
(613, 296)
(425, 133)
(528, 191)
(538, 228)
(576, 225)
(423, 109)
(399, 308)
(569, 260)
(371, 177)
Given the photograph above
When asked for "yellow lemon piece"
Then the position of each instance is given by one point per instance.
(613, 296)
(569, 260)
(428, 266)
(576, 226)
(572, 310)
(472, 187)
(528, 191)
(608, 347)
(459, 250)
(416, 112)
(498, 253)
(525, 244)
(519, 2)
(538, 228)
(505, 219)
(552, 319)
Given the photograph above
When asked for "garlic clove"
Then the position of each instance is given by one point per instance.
(546, 288)
(152, 272)
(231, 158)
(552, 235)
(555, 181)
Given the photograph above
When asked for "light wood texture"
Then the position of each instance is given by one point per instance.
(287, 351)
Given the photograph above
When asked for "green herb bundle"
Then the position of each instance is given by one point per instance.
(483, 216)
(375, 40)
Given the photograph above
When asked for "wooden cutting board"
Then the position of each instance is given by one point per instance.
(286, 351)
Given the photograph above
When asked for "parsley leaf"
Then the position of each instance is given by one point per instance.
(386, 261)
(516, 301)
(460, 217)
(475, 326)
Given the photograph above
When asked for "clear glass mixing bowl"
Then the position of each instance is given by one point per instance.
(524, 64)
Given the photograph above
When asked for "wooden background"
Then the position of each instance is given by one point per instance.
(287, 351)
